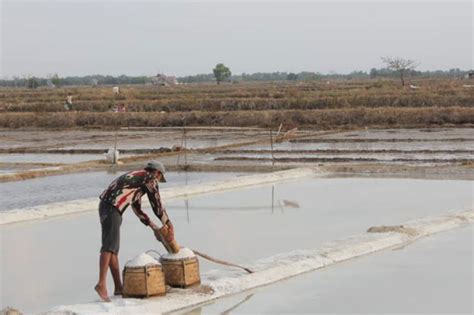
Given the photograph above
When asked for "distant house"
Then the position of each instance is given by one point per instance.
(164, 80)
(469, 75)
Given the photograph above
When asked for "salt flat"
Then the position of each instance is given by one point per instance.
(433, 275)
(54, 261)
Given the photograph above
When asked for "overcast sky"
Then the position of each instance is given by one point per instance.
(190, 37)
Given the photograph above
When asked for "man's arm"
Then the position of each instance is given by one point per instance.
(137, 208)
(155, 202)
(165, 234)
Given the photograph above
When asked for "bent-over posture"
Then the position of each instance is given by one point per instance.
(126, 190)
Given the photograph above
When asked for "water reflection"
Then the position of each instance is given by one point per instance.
(227, 311)
(281, 204)
(199, 310)
(114, 171)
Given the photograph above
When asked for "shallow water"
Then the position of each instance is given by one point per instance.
(437, 133)
(7, 170)
(433, 275)
(38, 191)
(424, 139)
(50, 158)
(420, 145)
(239, 226)
(376, 156)
(149, 144)
(126, 139)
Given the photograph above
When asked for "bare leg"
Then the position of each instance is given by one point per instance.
(115, 270)
(101, 287)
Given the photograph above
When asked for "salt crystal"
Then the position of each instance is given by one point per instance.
(182, 254)
(142, 260)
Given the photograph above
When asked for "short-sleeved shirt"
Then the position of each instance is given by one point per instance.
(129, 188)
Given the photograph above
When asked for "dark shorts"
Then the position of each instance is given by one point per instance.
(110, 221)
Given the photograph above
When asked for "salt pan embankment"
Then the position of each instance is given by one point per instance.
(220, 283)
(90, 204)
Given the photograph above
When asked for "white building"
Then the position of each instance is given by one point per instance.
(164, 80)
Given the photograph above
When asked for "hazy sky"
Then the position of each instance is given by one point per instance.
(189, 37)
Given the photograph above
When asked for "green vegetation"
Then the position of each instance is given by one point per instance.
(221, 73)
(56, 80)
(384, 73)
(32, 83)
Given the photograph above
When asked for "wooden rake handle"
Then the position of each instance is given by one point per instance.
(218, 261)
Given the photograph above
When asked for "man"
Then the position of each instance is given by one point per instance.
(68, 104)
(124, 191)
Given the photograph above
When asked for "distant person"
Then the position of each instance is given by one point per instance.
(126, 190)
(68, 103)
(121, 108)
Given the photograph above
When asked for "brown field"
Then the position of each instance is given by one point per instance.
(313, 104)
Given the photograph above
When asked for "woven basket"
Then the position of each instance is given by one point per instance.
(143, 281)
(181, 273)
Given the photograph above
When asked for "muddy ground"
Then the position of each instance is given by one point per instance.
(436, 153)
(29, 159)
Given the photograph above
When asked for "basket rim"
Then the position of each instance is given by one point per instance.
(178, 260)
(150, 265)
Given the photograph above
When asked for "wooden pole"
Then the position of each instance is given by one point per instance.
(185, 150)
(181, 146)
(114, 158)
(271, 144)
(273, 196)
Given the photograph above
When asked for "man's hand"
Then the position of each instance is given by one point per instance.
(170, 230)
(166, 232)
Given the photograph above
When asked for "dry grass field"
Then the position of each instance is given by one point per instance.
(313, 104)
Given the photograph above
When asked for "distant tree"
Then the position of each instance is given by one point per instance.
(197, 78)
(221, 72)
(385, 72)
(56, 80)
(32, 83)
(357, 75)
(305, 75)
(16, 80)
(292, 77)
(400, 65)
(373, 73)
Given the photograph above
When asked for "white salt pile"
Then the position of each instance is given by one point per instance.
(142, 260)
(182, 254)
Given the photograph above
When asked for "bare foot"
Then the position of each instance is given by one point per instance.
(118, 291)
(102, 292)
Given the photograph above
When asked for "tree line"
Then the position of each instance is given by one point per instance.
(223, 74)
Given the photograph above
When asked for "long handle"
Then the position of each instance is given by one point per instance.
(220, 261)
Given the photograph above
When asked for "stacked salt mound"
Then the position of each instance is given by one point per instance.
(183, 253)
(142, 260)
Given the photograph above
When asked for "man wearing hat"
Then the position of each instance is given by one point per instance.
(126, 190)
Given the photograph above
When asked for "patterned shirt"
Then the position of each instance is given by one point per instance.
(129, 188)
